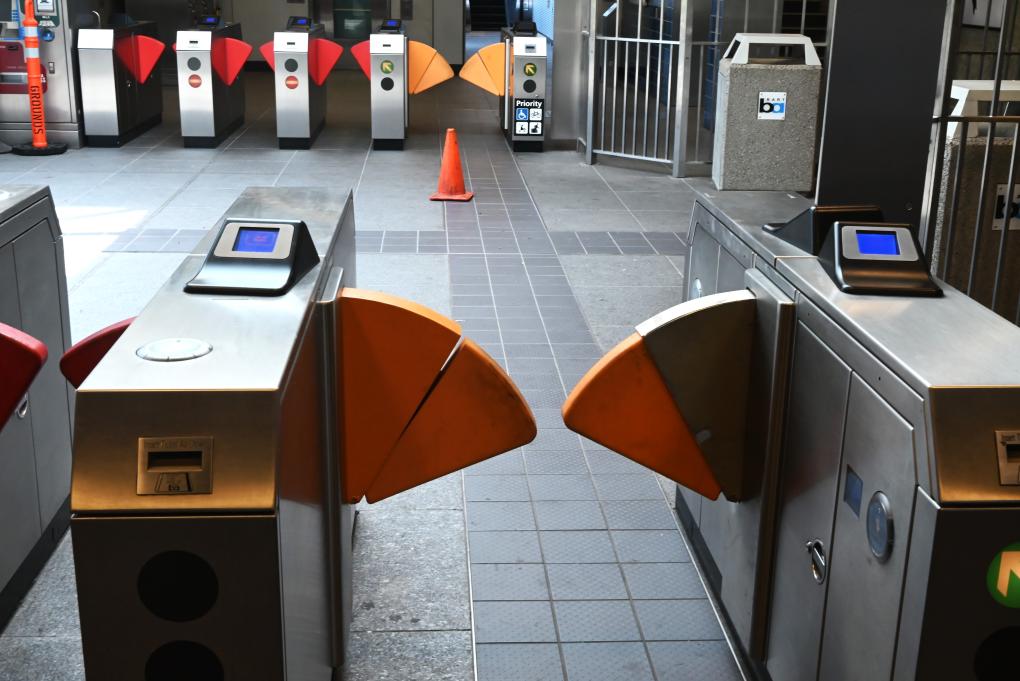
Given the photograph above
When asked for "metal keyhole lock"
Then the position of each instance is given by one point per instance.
(816, 550)
(22, 410)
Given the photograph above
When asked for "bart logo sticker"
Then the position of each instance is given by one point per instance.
(1004, 576)
(771, 106)
(386, 66)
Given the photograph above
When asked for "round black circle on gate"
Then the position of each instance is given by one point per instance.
(291, 65)
(995, 659)
(386, 84)
(194, 63)
(529, 86)
(178, 586)
(183, 660)
(880, 526)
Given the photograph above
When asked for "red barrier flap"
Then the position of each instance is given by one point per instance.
(79, 361)
(139, 54)
(362, 54)
(267, 53)
(21, 358)
(323, 55)
(228, 57)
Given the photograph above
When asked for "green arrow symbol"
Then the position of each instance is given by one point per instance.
(1008, 565)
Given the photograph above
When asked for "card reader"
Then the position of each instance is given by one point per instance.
(876, 258)
(256, 257)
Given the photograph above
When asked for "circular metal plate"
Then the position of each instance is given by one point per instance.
(174, 350)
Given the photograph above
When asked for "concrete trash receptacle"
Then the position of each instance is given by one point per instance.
(767, 115)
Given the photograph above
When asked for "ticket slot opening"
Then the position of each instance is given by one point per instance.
(175, 462)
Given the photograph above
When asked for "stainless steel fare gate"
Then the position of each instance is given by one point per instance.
(638, 90)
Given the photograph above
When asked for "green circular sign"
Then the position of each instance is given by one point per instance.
(1003, 578)
(386, 66)
(530, 69)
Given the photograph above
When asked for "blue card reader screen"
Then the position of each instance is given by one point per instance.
(256, 240)
(877, 243)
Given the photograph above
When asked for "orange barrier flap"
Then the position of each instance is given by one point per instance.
(426, 68)
(82, 357)
(228, 57)
(21, 358)
(139, 54)
(487, 68)
(323, 55)
(266, 50)
(623, 404)
(392, 351)
(362, 54)
(473, 413)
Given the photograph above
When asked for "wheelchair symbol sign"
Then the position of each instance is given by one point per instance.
(522, 115)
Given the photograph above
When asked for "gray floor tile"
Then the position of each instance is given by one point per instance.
(596, 581)
(681, 661)
(510, 463)
(639, 515)
(500, 515)
(509, 622)
(608, 662)
(552, 462)
(505, 582)
(569, 515)
(650, 546)
(496, 488)
(519, 662)
(577, 546)
(605, 462)
(663, 580)
(561, 487)
(596, 621)
(505, 547)
(616, 487)
(418, 655)
(678, 620)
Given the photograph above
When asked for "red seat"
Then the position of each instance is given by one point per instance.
(79, 361)
(21, 358)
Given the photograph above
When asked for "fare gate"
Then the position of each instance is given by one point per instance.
(216, 468)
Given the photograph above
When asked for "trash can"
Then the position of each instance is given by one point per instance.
(767, 113)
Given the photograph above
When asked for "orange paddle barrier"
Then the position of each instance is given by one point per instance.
(139, 54)
(426, 68)
(82, 357)
(623, 404)
(21, 358)
(418, 401)
(487, 69)
(36, 106)
(451, 175)
(228, 58)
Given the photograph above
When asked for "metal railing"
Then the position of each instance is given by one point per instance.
(974, 202)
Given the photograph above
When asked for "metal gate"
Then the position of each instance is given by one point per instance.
(637, 83)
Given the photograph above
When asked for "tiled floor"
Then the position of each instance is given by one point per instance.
(561, 560)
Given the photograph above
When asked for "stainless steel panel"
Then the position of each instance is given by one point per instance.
(731, 271)
(39, 289)
(19, 503)
(197, 118)
(740, 535)
(808, 484)
(98, 81)
(862, 612)
(702, 263)
(261, 20)
(915, 586)
(389, 107)
(120, 632)
(293, 105)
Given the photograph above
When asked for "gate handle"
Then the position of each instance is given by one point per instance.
(819, 568)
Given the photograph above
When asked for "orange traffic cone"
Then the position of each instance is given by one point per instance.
(451, 176)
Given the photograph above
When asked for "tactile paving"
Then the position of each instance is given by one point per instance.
(597, 581)
(678, 620)
(694, 660)
(505, 547)
(650, 546)
(609, 662)
(508, 582)
(519, 662)
(577, 546)
(509, 622)
(596, 621)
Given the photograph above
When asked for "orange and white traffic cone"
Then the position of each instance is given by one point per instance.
(451, 176)
(37, 112)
